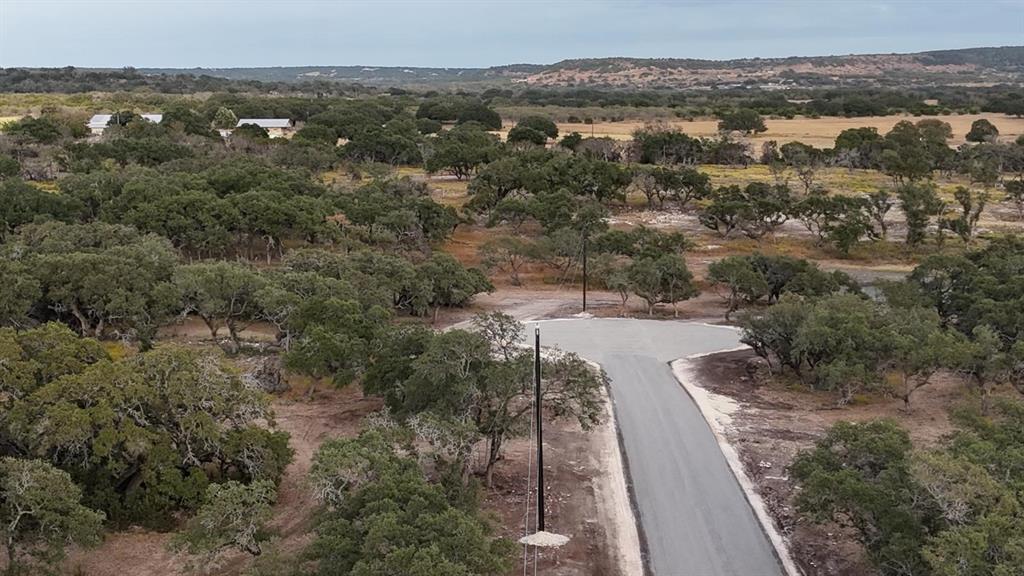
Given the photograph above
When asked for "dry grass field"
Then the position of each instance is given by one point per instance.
(791, 239)
(819, 132)
(835, 179)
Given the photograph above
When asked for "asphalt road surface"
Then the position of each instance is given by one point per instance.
(692, 511)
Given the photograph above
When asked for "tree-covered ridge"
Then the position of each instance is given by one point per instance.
(924, 67)
(71, 80)
(1006, 57)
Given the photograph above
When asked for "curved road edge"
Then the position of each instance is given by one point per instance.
(717, 411)
(627, 534)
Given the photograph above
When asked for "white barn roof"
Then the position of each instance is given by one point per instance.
(101, 120)
(266, 122)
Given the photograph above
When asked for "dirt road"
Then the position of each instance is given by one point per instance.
(693, 514)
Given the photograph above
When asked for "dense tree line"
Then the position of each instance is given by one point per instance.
(534, 184)
(840, 221)
(384, 129)
(953, 313)
(538, 173)
(566, 196)
(462, 150)
(250, 201)
(111, 280)
(757, 278)
(241, 207)
(174, 429)
(71, 80)
(459, 110)
(104, 253)
(847, 102)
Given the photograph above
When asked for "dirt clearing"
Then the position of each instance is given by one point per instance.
(331, 414)
(587, 501)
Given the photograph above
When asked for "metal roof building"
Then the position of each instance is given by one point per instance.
(267, 123)
(98, 123)
(275, 127)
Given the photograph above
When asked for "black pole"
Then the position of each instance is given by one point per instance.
(584, 272)
(540, 432)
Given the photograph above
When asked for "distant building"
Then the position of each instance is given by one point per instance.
(98, 123)
(275, 127)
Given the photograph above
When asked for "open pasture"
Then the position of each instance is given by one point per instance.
(818, 132)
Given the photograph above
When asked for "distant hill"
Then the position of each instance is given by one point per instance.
(970, 66)
(368, 75)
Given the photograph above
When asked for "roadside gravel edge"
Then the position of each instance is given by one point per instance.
(717, 411)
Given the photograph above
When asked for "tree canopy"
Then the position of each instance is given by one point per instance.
(950, 510)
(144, 436)
(383, 516)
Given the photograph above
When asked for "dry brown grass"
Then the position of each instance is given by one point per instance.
(820, 132)
(839, 180)
(449, 192)
(998, 215)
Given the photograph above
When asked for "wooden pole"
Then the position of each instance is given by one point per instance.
(540, 431)
(585, 272)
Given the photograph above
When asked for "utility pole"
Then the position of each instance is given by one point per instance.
(540, 538)
(585, 271)
(540, 431)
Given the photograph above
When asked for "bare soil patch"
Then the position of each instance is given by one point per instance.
(332, 413)
(580, 502)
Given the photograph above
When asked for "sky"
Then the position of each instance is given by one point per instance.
(480, 33)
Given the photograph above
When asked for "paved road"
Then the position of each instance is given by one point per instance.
(693, 513)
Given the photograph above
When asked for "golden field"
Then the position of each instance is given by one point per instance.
(819, 132)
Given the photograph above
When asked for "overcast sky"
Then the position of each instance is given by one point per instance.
(472, 33)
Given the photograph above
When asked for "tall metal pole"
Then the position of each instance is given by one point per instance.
(540, 431)
(584, 271)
